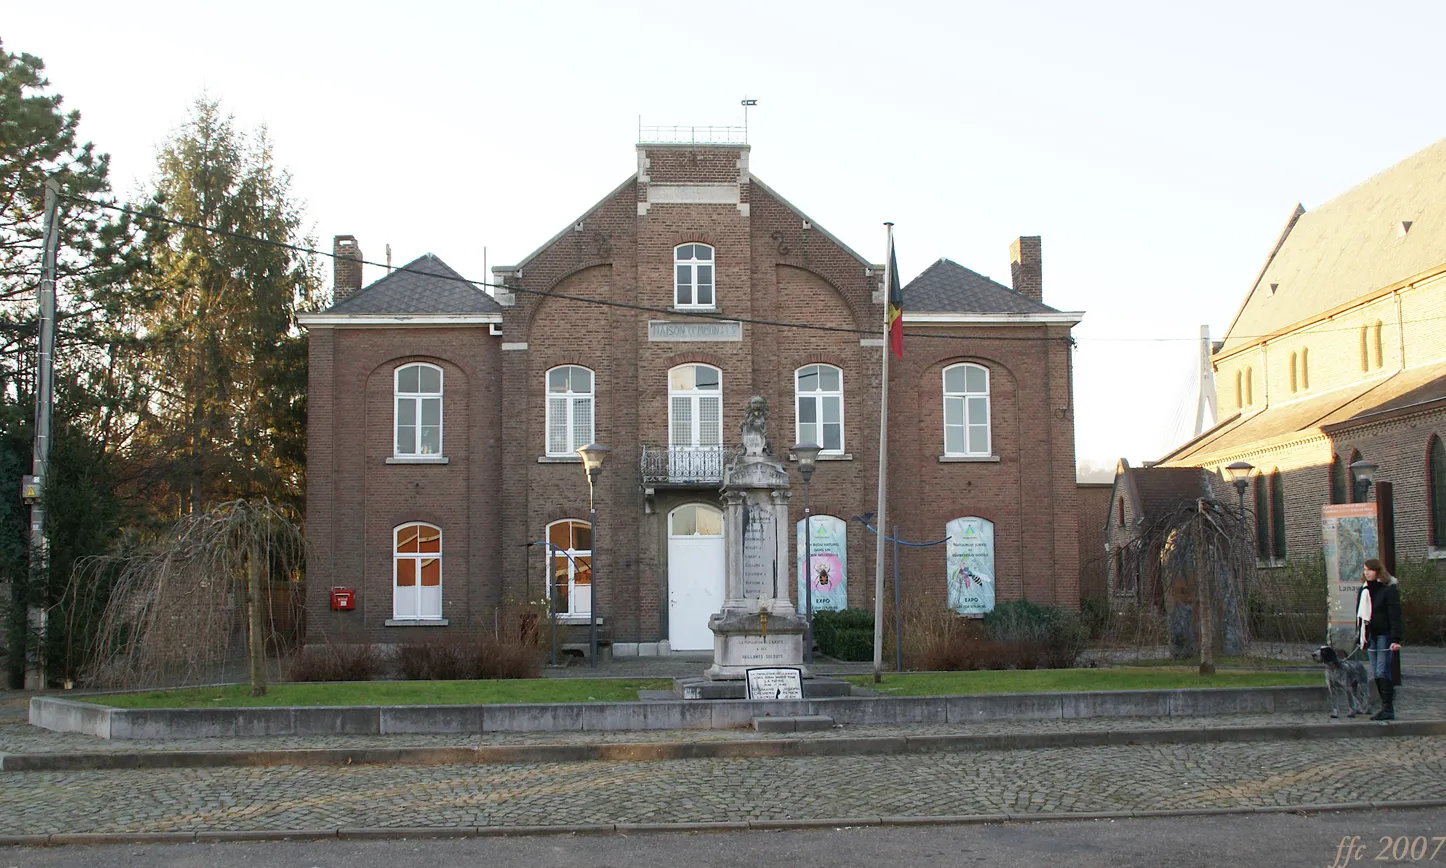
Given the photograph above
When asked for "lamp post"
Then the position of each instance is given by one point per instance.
(807, 455)
(593, 456)
(1363, 473)
(1239, 476)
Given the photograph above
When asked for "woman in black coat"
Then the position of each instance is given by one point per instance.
(1378, 624)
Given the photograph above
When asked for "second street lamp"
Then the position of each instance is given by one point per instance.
(593, 456)
(1239, 475)
(1363, 473)
(807, 455)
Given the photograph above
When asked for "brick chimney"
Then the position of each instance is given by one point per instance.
(1026, 267)
(346, 267)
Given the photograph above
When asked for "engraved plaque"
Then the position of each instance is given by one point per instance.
(702, 330)
(783, 682)
(760, 550)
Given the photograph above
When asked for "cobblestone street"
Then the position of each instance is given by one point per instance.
(1045, 780)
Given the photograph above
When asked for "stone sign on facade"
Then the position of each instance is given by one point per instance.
(706, 330)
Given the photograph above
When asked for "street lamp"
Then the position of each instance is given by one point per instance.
(807, 455)
(1239, 476)
(593, 455)
(1363, 472)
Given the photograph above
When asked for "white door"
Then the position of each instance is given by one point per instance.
(695, 575)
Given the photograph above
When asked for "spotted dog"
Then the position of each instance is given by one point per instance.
(1346, 677)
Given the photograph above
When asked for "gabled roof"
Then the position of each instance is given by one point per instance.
(1350, 247)
(426, 285)
(1154, 492)
(948, 287)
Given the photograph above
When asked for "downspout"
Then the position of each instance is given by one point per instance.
(1400, 330)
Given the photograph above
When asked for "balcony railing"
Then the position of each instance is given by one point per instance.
(683, 465)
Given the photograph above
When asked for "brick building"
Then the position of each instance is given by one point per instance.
(444, 419)
(1338, 353)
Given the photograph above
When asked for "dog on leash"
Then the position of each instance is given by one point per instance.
(1344, 677)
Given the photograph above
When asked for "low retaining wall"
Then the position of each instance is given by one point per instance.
(65, 715)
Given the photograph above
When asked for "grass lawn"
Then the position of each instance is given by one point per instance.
(1056, 680)
(394, 693)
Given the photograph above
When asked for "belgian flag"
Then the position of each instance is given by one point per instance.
(896, 303)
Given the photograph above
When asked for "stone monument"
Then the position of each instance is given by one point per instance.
(759, 625)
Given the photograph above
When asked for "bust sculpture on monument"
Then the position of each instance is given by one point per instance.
(755, 427)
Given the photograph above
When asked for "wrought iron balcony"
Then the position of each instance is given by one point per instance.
(683, 465)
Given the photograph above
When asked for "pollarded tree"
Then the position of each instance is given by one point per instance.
(222, 361)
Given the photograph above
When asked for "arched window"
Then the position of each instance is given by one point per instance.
(569, 564)
(417, 572)
(818, 406)
(695, 407)
(418, 405)
(1436, 481)
(1305, 367)
(1249, 387)
(966, 410)
(1340, 487)
(1239, 389)
(569, 409)
(1351, 476)
(1262, 518)
(1294, 365)
(1277, 516)
(1365, 356)
(1380, 355)
(693, 276)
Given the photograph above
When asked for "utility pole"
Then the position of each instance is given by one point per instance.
(33, 489)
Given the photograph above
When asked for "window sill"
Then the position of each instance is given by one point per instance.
(676, 309)
(415, 622)
(418, 459)
(559, 459)
(968, 459)
(826, 456)
(574, 619)
(1270, 563)
(1436, 553)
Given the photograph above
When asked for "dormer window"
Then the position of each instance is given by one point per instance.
(693, 276)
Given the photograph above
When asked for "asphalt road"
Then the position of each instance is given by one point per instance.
(1284, 840)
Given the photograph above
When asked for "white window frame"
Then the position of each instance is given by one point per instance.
(963, 398)
(692, 264)
(818, 396)
(416, 399)
(570, 400)
(423, 609)
(694, 440)
(567, 558)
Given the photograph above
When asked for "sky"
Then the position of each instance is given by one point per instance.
(1157, 148)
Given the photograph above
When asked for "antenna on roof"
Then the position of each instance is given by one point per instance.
(746, 103)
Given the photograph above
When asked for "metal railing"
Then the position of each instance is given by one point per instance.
(683, 464)
(690, 135)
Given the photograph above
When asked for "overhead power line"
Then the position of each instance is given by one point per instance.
(479, 284)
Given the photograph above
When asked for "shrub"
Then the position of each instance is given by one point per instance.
(1423, 602)
(1035, 636)
(471, 658)
(328, 662)
(846, 634)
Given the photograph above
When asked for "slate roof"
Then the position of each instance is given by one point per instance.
(1351, 246)
(426, 285)
(1339, 408)
(1157, 491)
(948, 287)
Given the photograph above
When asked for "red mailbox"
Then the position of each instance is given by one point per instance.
(343, 599)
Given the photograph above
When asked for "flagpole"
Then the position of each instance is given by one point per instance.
(879, 517)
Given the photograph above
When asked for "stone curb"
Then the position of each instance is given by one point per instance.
(752, 749)
(402, 833)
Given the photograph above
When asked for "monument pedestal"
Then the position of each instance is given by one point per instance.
(770, 636)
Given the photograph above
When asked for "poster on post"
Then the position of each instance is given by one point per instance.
(969, 556)
(829, 570)
(1348, 538)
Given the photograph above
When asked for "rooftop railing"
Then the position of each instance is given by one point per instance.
(687, 135)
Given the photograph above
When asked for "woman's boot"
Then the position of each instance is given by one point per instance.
(1388, 700)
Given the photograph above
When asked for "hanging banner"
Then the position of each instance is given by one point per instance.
(830, 555)
(1348, 538)
(969, 555)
